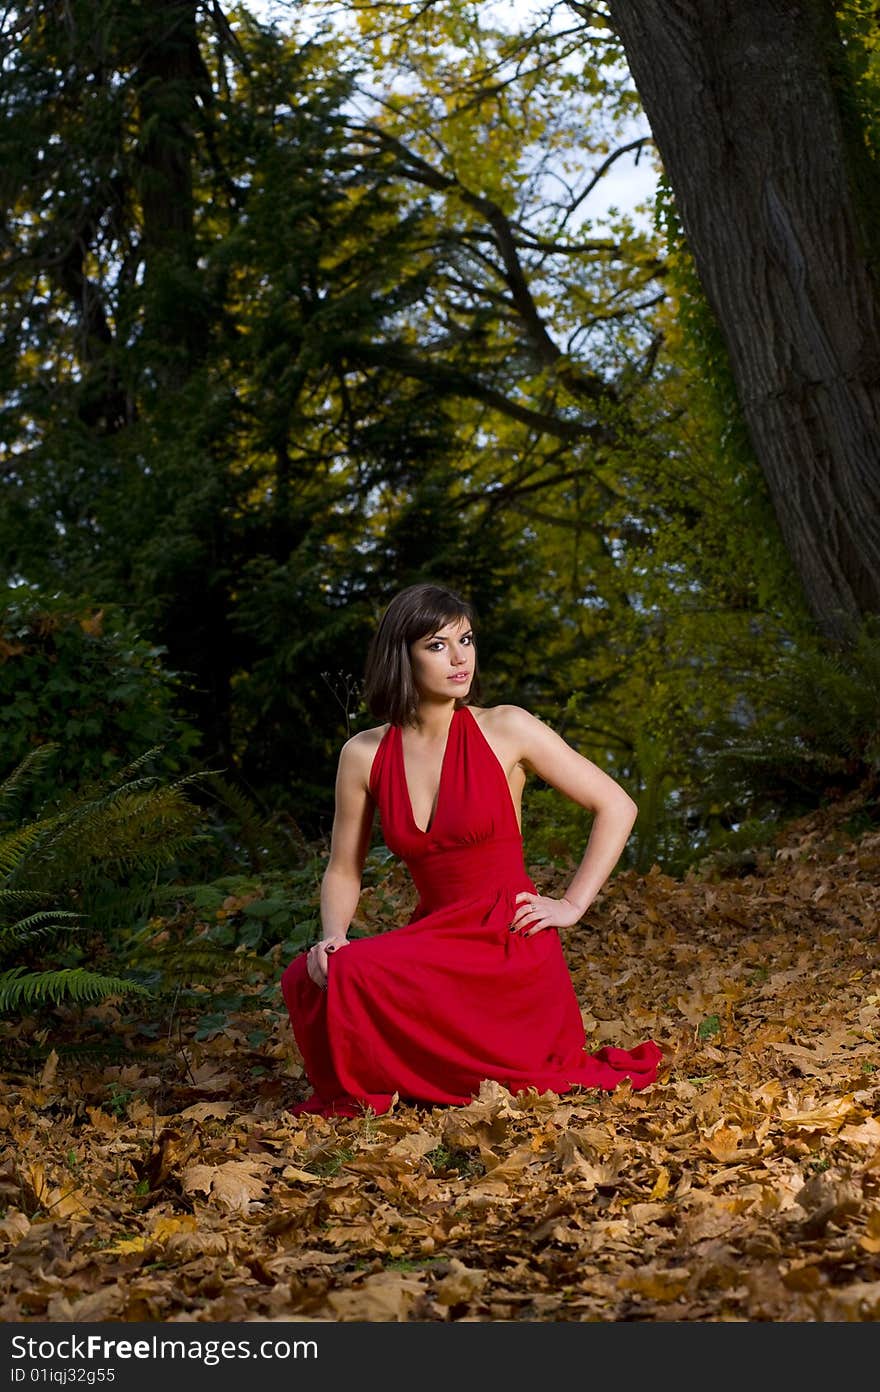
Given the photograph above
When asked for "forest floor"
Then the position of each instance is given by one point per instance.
(744, 1185)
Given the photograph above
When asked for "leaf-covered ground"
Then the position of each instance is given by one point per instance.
(744, 1185)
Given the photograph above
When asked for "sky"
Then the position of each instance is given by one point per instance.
(626, 185)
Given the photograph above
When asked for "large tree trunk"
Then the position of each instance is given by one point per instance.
(170, 77)
(741, 99)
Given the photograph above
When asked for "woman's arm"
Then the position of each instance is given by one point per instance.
(349, 843)
(552, 759)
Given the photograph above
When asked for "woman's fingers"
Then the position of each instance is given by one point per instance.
(529, 912)
(316, 965)
(318, 956)
(526, 903)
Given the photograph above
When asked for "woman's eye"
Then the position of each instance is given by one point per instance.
(438, 645)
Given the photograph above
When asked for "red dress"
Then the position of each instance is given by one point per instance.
(431, 1008)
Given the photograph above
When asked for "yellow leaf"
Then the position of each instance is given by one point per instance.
(163, 1228)
(103, 1121)
(131, 1244)
(661, 1184)
(828, 1116)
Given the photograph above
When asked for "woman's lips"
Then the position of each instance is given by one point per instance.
(460, 677)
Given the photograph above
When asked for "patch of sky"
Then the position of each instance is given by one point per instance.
(628, 186)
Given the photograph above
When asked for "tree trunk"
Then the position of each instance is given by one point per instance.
(741, 96)
(170, 76)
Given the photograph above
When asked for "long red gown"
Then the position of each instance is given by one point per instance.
(431, 1008)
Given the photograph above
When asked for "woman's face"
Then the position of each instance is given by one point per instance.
(443, 662)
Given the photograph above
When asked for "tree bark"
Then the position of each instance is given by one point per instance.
(742, 100)
(169, 78)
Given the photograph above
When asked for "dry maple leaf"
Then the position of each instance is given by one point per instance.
(14, 1226)
(387, 1295)
(103, 1121)
(460, 1285)
(201, 1111)
(233, 1185)
(168, 1152)
(200, 1243)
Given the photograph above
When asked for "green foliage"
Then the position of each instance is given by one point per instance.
(252, 837)
(124, 827)
(23, 990)
(253, 912)
(816, 725)
(856, 78)
(75, 674)
(289, 353)
(445, 1160)
(296, 378)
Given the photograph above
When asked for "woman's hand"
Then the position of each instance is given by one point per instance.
(536, 912)
(317, 956)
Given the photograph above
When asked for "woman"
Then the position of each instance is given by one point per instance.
(475, 985)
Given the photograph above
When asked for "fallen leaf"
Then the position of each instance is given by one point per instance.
(460, 1285)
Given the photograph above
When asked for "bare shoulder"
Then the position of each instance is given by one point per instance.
(366, 739)
(538, 748)
(527, 739)
(512, 731)
(507, 719)
(356, 755)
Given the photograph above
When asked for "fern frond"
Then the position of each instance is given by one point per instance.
(76, 985)
(131, 769)
(188, 778)
(196, 961)
(31, 764)
(17, 898)
(17, 845)
(38, 925)
(121, 829)
(255, 827)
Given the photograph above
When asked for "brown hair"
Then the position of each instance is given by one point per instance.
(389, 687)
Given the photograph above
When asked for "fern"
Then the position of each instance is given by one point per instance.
(127, 827)
(44, 924)
(264, 843)
(16, 898)
(19, 987)
(134, 767)
(135, 825)
(196, 962)
(19, 844)
(30, 765)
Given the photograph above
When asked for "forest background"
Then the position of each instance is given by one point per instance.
(302, 303)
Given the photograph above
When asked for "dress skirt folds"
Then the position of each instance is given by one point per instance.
(430, 1009)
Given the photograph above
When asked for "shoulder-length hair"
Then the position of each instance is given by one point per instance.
(416, 612)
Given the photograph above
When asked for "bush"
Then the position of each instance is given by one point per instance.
(77, 675)
(126, 829)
